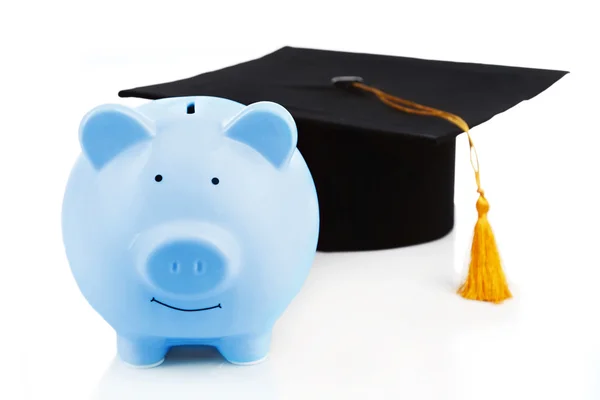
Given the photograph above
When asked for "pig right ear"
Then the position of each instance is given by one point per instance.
(109, 129)
(268, 128)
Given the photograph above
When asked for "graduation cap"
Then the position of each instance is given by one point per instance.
(383, 164)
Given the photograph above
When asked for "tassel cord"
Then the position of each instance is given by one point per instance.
(485, 280)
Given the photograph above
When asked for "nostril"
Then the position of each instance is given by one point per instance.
(198, 267)
(175, 267)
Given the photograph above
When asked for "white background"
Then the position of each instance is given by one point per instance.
(415, 339)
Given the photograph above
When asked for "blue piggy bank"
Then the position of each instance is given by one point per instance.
(190, 221)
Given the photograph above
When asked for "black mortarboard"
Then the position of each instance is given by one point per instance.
(384, 178)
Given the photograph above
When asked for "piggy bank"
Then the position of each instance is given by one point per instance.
(190, 221)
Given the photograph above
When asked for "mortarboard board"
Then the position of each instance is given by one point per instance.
(384, 178)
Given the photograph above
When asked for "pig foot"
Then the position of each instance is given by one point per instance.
(141, 352)
(245, 349)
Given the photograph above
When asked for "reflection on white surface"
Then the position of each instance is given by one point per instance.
(372, 325)
(187, 373)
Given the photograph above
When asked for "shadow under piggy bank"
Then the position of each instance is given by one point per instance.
(187, 373)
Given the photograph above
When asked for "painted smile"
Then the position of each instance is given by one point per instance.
(183, 309)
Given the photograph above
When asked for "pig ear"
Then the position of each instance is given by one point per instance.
(108, 130)
(268, 128)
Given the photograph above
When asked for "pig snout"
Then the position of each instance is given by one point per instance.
(187, 267)
(187, 259)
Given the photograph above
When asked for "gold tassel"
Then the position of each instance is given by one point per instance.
(486, 280)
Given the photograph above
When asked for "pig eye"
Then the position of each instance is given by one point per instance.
(215, 181)
(158, 178)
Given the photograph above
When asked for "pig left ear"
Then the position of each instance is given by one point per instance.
(109, 129)
(268, 128)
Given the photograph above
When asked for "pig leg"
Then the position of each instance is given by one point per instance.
(245, 349)
(141, 352)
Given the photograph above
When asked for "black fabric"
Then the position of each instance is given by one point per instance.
(377, 193)
(384, 178)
